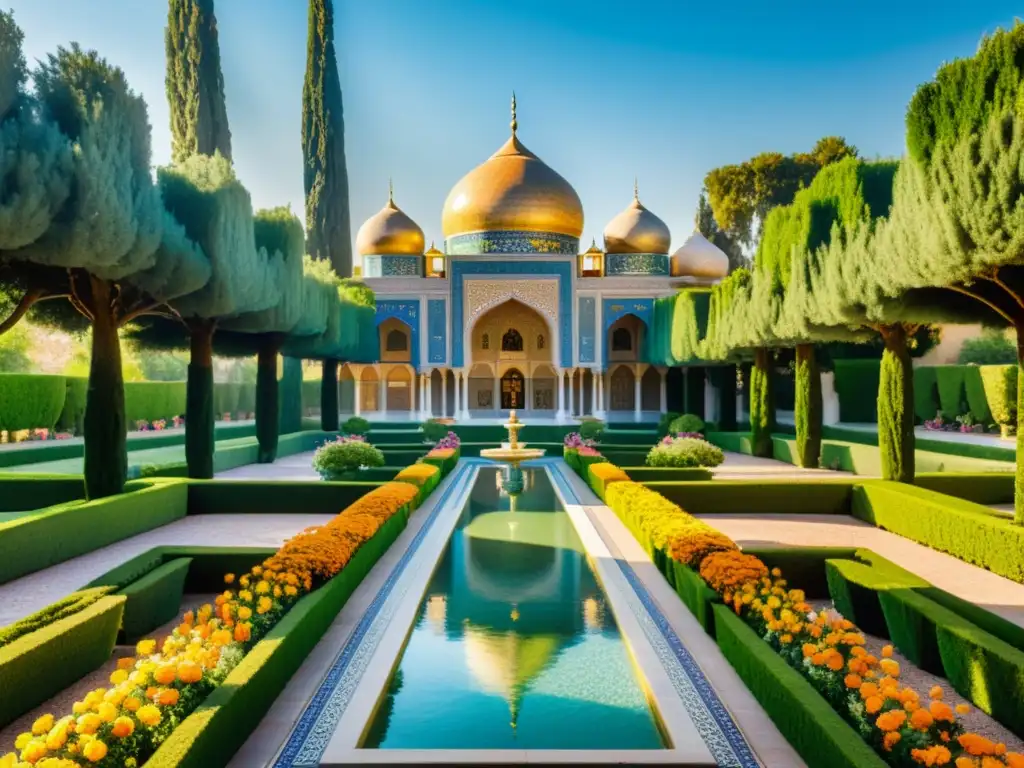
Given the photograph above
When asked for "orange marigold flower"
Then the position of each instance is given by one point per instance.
(853, 681)
(167, 697)
(887, 652)
(941, 711)
(921, 719)
(891, 740)
(1014, 759)
(963, 709)
(977, 745)
(165, 674)
(872, 704)
(937, 755)
(890, 667)
(891, 720)
(835, 662)
(935, 692)
(122, 727)
(229, 578)
(809, 649)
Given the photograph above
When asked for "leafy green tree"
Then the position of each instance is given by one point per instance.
(195, 83)
(328, 226)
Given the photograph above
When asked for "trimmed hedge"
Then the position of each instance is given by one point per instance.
(213, 733)
(601, 474)
(855, 586)
(72, 417)
(43, 663)
(950, 384)
(22, 492)
(968, 531)
(30, 401)
(823, 497)
(926, 393)
(988, 392)
(856, 383)
(154, 599)
(67, 606)
(205, 573)
(152, 400)
(983, 488)
(804, 567)
(207, 497)
(676, 474)
(820, 736)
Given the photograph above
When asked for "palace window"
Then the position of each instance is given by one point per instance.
(396, 341)
(622, 340)
(540, 341)
(485, 342)
(512, 341)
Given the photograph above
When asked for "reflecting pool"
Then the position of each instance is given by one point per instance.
(514, 645)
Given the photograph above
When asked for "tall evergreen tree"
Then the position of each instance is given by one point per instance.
(195, 83)
(328, 226)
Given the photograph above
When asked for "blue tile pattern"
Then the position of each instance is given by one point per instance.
(656, 264)
(512, 241)
(437, 344)
(586, 349)
(719, 731)
(562, 269)
(409, 313)
(311, 735)
(613, 309)
(392, 266)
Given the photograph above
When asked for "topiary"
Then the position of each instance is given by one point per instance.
(592, 430)
(356, 425)
(342, 458)
(686, 423)
(433, 430)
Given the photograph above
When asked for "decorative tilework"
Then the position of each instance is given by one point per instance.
(721, 735)
(309, 739)
(636, 264)
(613, 309)
(483, 295)
(586, 349)
(562, 269)
(392, 266)
(437, 346)
(512, 242)
(409, 313)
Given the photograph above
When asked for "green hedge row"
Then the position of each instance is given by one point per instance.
(965, 530)
(21, 492)
(823, 497)
(983, 488)
(213, 733)
(39, 665)
(205, 573)
(67, 606)
(988, 392)
(856, 383)
(154, 599)
(932, 445)
(269, 497)
(30, 401)
(678, 474)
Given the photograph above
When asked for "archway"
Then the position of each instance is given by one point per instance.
(622, 395)
(542, 394)
(513, 389)
(395, 341)
(510, 331)
(399, 389)
(650, 390)
(346, 389)
(369, 390)
(624, 339)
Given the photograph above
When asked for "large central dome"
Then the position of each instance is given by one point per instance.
(510, 202)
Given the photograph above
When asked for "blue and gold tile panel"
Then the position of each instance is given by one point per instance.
(613, 309)
(512, 242)
(587, 349)
(437, 346)
(656, 264)
(408, 312)
(392, 266)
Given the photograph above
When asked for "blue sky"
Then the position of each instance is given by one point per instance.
(663, 90)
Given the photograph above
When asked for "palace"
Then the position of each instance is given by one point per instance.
(511, 314)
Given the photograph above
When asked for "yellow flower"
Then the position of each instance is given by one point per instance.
(95, 751)
(42, 725)
(245, 596)
(264, 605)
(33, 752)
(118, 676)
(887, 652)
(262, 588)
(88, 723)
(123, 727)
(244, 613)
(22, 740)
(145, 647)
(229, 578)
(107, 712)
(963, 709)
(148, 715)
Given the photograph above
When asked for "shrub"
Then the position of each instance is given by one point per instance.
(665, 421)
(1000, 384)
(433, 430)
(72, 417)
(602, 474)
(418, 474)
(592, 430)
(356, 425)
(952, 397)
(991, 348)
(342, 457)
(727, 571)
(685, 452)
(63, 608)
(153, 400)
(30, 401)
(691, 550)
(686, 423)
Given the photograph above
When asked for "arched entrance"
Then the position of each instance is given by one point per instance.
(623, 389)
(399, 389)
(513, 390)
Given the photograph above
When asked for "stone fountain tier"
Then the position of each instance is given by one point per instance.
(513, 451)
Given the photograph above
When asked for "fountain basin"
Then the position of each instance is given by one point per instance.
(512, 455)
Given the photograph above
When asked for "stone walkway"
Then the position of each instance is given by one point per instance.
(740, 466)
(30, 593)
(295, 467)
(968, 582)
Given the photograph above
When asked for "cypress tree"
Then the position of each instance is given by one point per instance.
(762, 404)
(195, 83)
(896, 406)
(329, 397)
(807, 407)
(328, 229)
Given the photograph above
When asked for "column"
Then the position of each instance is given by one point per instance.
(382, 393)
(663, 373)
(497, 394)
(444, 393)
(457, 405)
(465, 394)
(595, 403)
(637, 375)
(710, 400)
(528, 392)
(428, 408)
(602, 393)
(572, 383)
(357, 386)
(417, 381)
(561, 393)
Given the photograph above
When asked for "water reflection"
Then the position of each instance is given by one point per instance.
(514, 634)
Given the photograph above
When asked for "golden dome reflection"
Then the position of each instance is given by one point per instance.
(513, 190)
(390, 232)
(636, 230)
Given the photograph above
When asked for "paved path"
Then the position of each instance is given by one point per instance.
(740, 466)
(298, 466)
(30, 593)
(968, 582)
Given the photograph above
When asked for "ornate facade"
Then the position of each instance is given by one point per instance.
(511, 314)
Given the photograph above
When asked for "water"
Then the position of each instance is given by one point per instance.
(514, 645)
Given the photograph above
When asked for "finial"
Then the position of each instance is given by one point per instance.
(514, 124)
(636, 190)
(593, 242)
(391, 192)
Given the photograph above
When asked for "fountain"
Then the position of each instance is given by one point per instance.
(512, 453)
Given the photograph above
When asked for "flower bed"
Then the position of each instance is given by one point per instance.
(685, 451)
(343, 457)
(154, 692)
(444, 459)
(904, 727)
(426, 477)
(600, 475)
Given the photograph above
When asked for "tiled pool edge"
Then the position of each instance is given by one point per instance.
(311, 734)
(720, 733)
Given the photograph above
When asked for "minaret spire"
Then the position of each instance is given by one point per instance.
(515, 123)
(391, 193)
(636, 190)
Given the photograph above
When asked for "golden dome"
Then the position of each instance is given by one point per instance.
(699, 257)
(513, 190)
(593, 249)
(432, 251)
(636, 230)
(390, 232)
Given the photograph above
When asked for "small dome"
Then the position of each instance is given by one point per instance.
(699, 257)
(390, 232)
(636, 230)
(433, 251)
(593, 250)
(513, 190)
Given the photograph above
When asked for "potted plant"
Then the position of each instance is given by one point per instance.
(345, 457)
